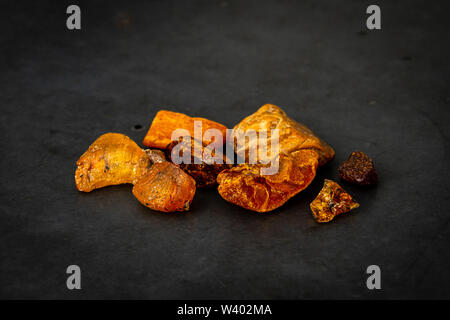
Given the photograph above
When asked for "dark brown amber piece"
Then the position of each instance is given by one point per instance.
(245, 186)
(358, 169)
(111, 159)
(166, 122)
(331, 201)
(300, 153)
(165, 187)
(201, 165)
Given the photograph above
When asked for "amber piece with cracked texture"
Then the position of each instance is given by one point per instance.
(300, 153)
(245, 186)
(203, 166)
(165, 187)
(331, 201)
(165, 122)
(111, 159)
(358, 169)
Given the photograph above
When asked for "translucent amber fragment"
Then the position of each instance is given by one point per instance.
(300, 153)
(165, 122)
(245, 186)
(293, 136)
(331, 201)
(201, 165)
(165, 187)
(112, 159)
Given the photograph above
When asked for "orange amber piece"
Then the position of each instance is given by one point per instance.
(300, 153)
(245, 186)
(112, 159)
(165, 122)
(293, 136)
(331, 201)
(165, 187)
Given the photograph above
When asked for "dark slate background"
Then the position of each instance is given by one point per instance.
(383, 92)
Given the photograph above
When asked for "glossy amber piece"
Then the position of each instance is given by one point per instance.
(300, 153)
(293, 136)
(202, 166)
(165, 187)
(331, 201)
(165, 122)
(245, 186)
(112, 159)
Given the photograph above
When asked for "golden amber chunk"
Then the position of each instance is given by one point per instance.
(293, 136)
(331, 201)
(245, 186)
(165, 187)
(111, 159)
(300, 153)
(166, 122)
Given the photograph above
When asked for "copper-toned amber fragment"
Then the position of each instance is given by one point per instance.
(300, 153)
(331, 201)
(202, 166)
(166, 122)
(245, 186)
(112, 159)
(165, 187)
(293, 136)
(358, 169)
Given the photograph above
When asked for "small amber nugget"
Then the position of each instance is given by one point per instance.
(300, 153)
(165, 188)
(166, 122)
(358, 169)
(331, 201)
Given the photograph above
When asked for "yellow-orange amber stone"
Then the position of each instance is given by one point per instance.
(331, 201)
(111, 159)
(300, 153)
(165, 187)
(166, 122)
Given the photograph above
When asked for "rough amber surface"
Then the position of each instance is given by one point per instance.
(203, 169)
(245, 186)
(300, 153)
(331, 201)
(111, 159)
(165, 122)
(293, 136)
(358, 169)
(165, 187)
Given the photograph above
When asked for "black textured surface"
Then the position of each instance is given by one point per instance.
(383, 92)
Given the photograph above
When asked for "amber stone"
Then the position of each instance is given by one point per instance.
(203, 166)
(111, 159)
(331, 201)
(165, 187)
(166, 122)
(245, 185)
(358, 169)
(300, 153)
